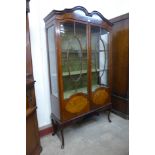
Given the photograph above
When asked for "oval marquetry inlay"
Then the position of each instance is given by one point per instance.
(76, 104)
(100, 96)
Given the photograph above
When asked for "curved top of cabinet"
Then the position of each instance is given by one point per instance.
(78, 13)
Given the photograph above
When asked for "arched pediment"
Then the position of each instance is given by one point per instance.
(81, 11)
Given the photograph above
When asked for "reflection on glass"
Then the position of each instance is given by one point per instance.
(99, 46)
(53, 58)
(97, 17)
(79, 12)
(74, 58)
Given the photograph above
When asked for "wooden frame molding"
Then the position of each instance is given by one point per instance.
(119, 18)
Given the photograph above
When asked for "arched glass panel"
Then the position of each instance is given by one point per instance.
(99, 46)
(74, 58)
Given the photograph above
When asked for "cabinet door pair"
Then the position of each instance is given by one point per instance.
(81, 61)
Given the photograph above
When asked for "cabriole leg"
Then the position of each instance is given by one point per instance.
(109, 116)
(54, 127)
(62, 139)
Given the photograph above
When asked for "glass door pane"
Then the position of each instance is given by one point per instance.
(99, 47)
(74, 58)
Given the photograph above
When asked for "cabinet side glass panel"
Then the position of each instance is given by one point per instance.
(74, 58)
(52, 61)
(100, 50)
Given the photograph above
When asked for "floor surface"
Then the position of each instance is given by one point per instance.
(93, 136)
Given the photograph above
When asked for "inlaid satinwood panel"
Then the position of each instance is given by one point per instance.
(76, 104)
(100, 96)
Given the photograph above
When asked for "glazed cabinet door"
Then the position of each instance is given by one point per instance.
(99, 66)
(74, 65)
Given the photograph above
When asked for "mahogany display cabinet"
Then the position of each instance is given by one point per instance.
(79, 56)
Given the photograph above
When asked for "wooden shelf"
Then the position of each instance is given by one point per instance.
(74, 73)
(84, 51)
(68, 93)
(83, 72)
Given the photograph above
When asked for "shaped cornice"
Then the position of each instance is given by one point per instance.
(58, 12)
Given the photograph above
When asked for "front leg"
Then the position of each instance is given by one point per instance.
(62, 139)
(54, 127)
(109, 116)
